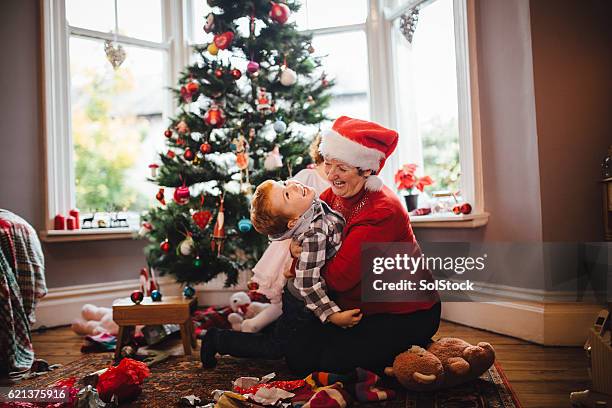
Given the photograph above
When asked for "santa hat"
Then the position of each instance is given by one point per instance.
(361, 144)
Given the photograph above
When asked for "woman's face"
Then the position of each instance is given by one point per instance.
(345, 179)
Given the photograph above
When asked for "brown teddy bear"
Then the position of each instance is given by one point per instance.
(447, 362)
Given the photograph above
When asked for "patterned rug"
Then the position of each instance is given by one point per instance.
(180, 376)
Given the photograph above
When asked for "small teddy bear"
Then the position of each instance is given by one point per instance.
(95, 320)
(445, 363)
(246, 315)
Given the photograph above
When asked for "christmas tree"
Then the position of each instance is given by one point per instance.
(247, 110)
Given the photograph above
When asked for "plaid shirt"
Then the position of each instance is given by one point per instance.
(319, 243)
(22, 284)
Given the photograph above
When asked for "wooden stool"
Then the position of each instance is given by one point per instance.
(171, 310)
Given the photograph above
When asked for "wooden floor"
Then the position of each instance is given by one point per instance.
(541, 376)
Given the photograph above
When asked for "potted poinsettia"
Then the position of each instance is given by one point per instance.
(407, 181)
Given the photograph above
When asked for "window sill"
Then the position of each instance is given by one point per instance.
(450, 221)
(94, 234)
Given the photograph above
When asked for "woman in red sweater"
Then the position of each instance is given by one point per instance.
(354, 150)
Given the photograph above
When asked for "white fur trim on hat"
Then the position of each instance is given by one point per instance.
(338, 147)
(374, 183)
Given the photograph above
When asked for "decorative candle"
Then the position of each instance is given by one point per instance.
(71, 223)
(59, 222)
(75, 213)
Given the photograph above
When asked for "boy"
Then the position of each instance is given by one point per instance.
(290, 210)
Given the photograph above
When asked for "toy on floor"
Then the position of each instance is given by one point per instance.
(445, 363)
(95, 320)
(249, 316)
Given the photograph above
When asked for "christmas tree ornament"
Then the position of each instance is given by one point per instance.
(209, 25)
(214, 117)
(218, 237)
(465, 209)
(212, 49)
(153, 168)
(288, 76)
(202, 218)
(192, 87)
(224, 40)
(205, 148)
(188, 292)
(279, 13)
(144, 281)
(311, 49)
(145, 228)
(182, 127)
(185, 94)
(186, 246)
(188, 155)
(165, 245)
(240, 146)
(168, 133)
(180, 141)
(170, 154)
(197, 262)
(246, 189)
(279, 126)
(252, 135)
(324, 81)
(236, 74)
(137, 296)
(181, 195)
(274, 160)
(160, 196)
(114, 53)
(156, 296)
(263, 101)
(252, 67)
(245, 225)
(218, 73)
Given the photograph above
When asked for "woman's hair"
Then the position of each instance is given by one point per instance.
(264, 219)
(314, 153)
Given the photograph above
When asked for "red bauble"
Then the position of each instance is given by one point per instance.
(181, 195)
(137, 296)
(202, 218)
(279, 13)
(192, 87)
(170, 154)
(205, 148)
(236, 74)
(160, 196)
(466, 208)
(223, 41)
(168, 133)
(219, 73)
(188, 155)
(214, 117)
(165, 245)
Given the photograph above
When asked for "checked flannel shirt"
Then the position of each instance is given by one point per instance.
(319, 243)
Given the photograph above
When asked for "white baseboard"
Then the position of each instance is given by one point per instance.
(550, 324)
(62, 305)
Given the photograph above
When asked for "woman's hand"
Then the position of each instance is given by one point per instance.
(295, 248)
(348, 318)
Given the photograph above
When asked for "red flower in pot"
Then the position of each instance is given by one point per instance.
(406, 180)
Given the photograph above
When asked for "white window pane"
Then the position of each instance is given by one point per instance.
(427, 91)
(96, 15)
(324, 13)
(348, 66)
(117, 124)
(141, 19)
(197, 15)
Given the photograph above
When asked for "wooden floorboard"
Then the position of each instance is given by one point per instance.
(542, 377)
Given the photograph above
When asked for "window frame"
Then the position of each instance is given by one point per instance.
(60, 194)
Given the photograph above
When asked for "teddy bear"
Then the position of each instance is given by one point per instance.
(248, 316)
(95, 320)
(445, 363)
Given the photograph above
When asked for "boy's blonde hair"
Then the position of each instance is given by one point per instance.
(264, 219)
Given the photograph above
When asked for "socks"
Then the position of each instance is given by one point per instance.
(208, 349)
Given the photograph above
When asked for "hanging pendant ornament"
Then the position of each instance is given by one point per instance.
(114, 51)
(170, 154)
(224, 40)
(182, 127)
(214, 117)
(324, 81)
(188, 155)
(153, 168)
(205, 148)
(311, 49)
(252, 67)
(197, 262)
(236, 74)
(288, 77)
(145, 228)
(212, 49)
(181, 195)
(218, 237)
(264, 100)
(160, 196)
(168, 133)
(165, 246)
(137, 296)
(245, 225)
(192, 87)
(218, 73)
(279, 126)
(252, 135)
(202, 218)
(274, 160)
(279, 13)
(186, 246)
(209, 25)
(188, 292)
(185, 95)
